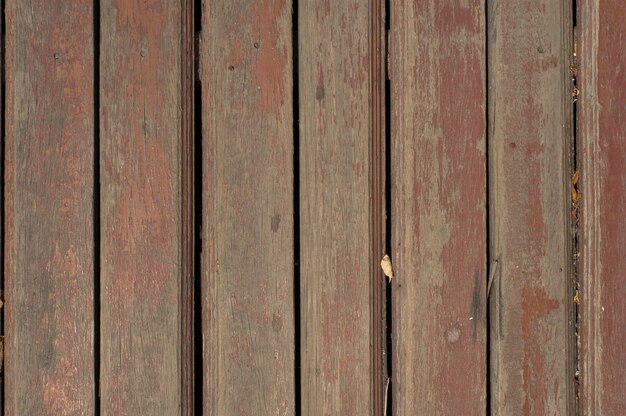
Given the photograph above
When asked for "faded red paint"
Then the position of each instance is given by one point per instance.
(48, 219)
(438, 207)
(270, 66)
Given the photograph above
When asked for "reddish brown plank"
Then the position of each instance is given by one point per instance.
(49, 209)
(438, 207)
(338, 283)
(529, 138)
(140, 175)
(602, 144)
(247, 223)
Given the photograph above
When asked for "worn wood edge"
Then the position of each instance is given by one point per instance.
(187, 209)
(378, 212)
(589, 156)
(569, 226)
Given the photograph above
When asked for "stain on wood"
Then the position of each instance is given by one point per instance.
(140, 172)
(247, 220)
(602, 158)
(438, 182)
(529, 121)
(337, 262)
(49, 268)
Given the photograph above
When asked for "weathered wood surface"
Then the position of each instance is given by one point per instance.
(438, 215)
(529, 120)
(336, 233)
(140, 175)
(247, 224)
(602, 153)
(48, 194)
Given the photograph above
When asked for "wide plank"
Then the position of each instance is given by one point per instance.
(247, 201)
(140, 207)
(49, 155)
(529, 44)
(438, 207)
(602, 159)
(338, 340)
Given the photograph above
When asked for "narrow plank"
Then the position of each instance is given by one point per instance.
(247, 224)
(438, 212)
(140, 203)
(529, 121)
(335, 208)
(602, 151)
(49, 208)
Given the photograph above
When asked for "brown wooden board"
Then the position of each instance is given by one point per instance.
(247, 220)
(438, 207)
(337, 280)
(140, 203)
(49, 268)
(602, 151)
(529, 137)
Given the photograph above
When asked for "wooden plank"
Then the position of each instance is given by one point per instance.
(529, 137)
(438, 211)
(602, 152)
(140, 172)
(337, 233)
(49, 268)
(247, 224)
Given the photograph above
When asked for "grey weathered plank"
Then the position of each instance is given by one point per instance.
(140, 173)
(602, 161)
(337, 282)
(48, 200)
(438, 170)
(529, 122)
(247, 224)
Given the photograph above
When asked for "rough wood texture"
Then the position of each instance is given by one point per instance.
(602, 146)
(247, 224)
(336, 232)
(49, 194)
(529, 121)
(140, 158)
(438, 215)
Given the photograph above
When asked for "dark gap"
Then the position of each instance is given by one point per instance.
(96, 201)
(575, 208)
(388, 248)
(2, 176)
(296, 207)
(197, 216)
(489, 254)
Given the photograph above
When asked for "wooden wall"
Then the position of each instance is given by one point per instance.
(197, 196)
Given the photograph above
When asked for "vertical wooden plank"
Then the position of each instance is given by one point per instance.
(335, 208)
(140, 172)
(247, 225)
(602, 151)
(49, 208)
(438, 207)
(529, 122)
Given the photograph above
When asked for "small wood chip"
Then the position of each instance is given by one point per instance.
(385, 264)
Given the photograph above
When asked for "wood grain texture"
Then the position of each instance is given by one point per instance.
(336, 232)
(438, 212)
(602, 159)
(247, 224)
(49, 210)
(140, 173)
(529, 120)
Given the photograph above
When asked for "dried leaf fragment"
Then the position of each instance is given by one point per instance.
(385, 264)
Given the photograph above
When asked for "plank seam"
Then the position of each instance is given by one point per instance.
(96, 203)
(296, 208)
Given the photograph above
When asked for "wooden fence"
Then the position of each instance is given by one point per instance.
(197, 196)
